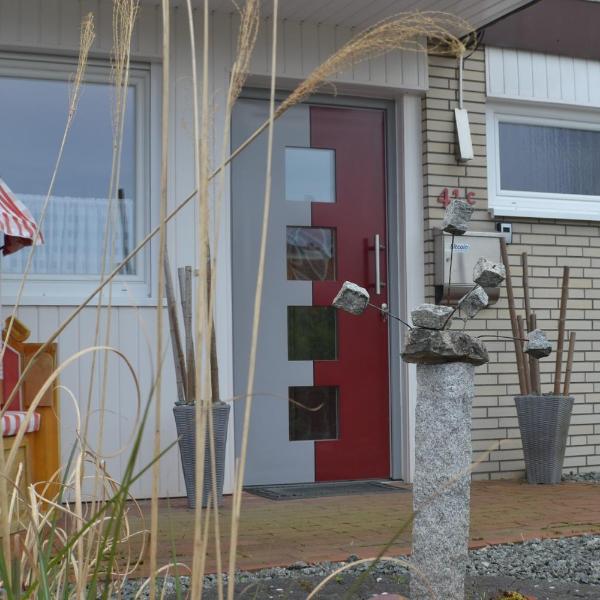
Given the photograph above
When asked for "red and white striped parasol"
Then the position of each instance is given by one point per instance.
(16, 222)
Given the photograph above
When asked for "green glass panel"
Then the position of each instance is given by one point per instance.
(310, 253)
(312, 333)
(313, 413)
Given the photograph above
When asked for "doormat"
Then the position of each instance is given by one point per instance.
(299, 491)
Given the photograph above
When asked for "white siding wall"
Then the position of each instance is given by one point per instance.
(52, 26)
(532, 76)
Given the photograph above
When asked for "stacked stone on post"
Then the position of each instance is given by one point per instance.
(431, 316)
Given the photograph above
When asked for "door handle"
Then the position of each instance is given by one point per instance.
(378, 248)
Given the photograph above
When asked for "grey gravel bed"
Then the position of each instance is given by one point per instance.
(574, 560)
(593, 476)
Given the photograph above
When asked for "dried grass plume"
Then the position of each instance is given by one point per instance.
(435, 32)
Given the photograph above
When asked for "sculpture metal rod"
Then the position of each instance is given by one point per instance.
(388, 314)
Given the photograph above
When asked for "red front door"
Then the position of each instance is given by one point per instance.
(360, 371)
(321, 405)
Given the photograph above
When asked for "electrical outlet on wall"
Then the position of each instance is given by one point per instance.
(506, 229)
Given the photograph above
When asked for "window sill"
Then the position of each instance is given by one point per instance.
(76, 301)
(72, 293)
(547, 208)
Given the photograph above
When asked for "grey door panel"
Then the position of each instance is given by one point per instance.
(271, 458)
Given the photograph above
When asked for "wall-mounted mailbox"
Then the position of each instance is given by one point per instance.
(468, 249)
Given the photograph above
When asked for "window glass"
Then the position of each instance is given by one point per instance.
(312, 333)
(313, 413)
(557, 160)
(33, 114)
(310, 253)
(309, 175)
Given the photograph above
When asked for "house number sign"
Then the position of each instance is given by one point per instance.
(445, 196)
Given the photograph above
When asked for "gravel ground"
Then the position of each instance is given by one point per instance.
(591, 476)
(549, 569)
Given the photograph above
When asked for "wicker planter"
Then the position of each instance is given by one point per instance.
(185, 422)
(544, 424)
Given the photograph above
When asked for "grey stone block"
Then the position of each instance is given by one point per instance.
(473, 302)
(431, 316)
(457, 217)
(441, 488)
(488, 274)
(352, 298)
(537, 344)
(431, 346)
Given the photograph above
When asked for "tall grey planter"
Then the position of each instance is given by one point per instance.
(544, 424)
(185, 422)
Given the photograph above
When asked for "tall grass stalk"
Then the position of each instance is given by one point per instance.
(203, 410)
(248, 30)
(124, 13)
(164, 180)
(123, 20)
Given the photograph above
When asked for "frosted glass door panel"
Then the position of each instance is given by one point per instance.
(309, 175)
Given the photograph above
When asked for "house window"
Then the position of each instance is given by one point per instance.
(543, 163)
(85, 231)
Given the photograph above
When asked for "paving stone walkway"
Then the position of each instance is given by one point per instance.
(279, 533)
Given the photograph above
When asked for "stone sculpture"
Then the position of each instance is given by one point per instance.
(446, 363)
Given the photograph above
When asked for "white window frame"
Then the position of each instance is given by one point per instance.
(544, 205)
(138, 289)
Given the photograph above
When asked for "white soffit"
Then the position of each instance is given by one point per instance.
(362, 13)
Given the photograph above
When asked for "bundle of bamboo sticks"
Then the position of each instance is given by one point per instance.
(528, 367)
(185, 369)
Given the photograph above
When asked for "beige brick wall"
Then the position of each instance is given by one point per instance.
(551, 244)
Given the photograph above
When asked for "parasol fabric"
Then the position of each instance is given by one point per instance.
(16, 222)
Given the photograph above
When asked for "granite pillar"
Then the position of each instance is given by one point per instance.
(442, 480)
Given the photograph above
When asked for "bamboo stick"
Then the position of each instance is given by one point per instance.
(525, 265)
(561, 329)
(214, 359)
(527, 372)
(513, 318)
(178, 357)
(534, 363)
(569, 364)
(185, 289)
